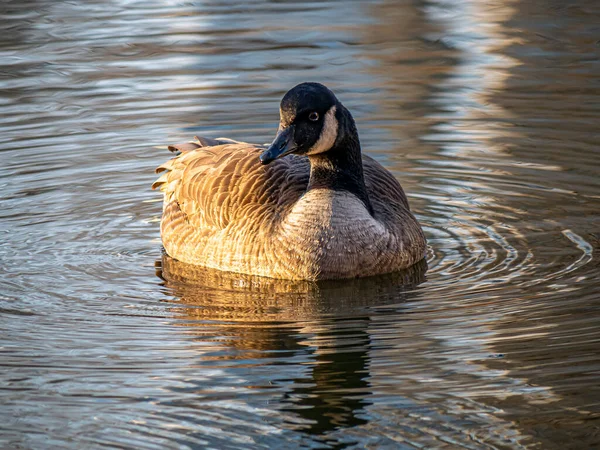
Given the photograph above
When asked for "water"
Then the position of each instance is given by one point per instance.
(487, 111)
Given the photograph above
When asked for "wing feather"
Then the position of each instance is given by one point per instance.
(215, 186)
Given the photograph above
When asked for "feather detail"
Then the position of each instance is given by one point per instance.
(223, 209)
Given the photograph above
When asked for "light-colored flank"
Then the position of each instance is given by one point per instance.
(224, 210)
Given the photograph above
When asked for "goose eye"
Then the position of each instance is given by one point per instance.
(314, 116)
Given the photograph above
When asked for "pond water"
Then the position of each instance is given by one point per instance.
(488, 112)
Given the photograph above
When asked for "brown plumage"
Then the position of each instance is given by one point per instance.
(225, 210)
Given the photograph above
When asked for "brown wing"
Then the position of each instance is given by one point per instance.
(382, 187)
(216, 185)
(224, 191)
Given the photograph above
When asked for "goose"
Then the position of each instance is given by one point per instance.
(309, 206)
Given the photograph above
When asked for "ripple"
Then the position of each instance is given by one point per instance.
(489, 124)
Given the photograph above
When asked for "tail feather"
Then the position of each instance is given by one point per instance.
(200, 141)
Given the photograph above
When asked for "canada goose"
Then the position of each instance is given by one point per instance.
(322, 212)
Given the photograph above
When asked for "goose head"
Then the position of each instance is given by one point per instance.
(309, 123)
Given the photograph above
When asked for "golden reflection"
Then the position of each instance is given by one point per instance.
(478, 31)
(440, 67)
(207, 294)
(257, 318)
(407, 65)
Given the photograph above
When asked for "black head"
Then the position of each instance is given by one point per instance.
(308, 122)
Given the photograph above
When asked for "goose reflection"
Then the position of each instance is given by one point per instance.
(323, 327)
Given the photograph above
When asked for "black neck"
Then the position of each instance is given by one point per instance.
(340, 168)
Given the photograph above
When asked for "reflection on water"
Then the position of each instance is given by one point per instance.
(252, 317)
(486, 111)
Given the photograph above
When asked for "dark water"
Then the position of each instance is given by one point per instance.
(487, 111)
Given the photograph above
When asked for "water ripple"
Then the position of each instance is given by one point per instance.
(487, 114)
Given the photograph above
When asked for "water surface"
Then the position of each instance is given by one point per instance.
(486, 111)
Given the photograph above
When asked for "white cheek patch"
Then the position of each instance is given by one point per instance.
(328, 133)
